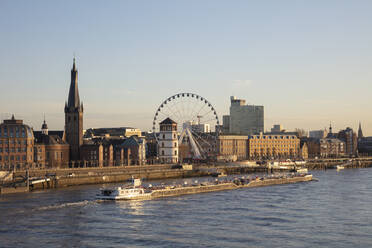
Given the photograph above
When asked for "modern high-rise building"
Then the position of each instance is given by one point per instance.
(350, 139)
(74, 117)
(244, 119)
(318, 134)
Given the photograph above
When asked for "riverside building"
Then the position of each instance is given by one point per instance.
(274, 146)
(168, 141)
(50, 150)
(244, 119)
(16, 144)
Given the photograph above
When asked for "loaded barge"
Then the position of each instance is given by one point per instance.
(138, 192)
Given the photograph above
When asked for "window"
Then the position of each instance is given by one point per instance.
(175, 152)
(162, 144)
(162, 152)
(175, 144)
(163, 136)
(0, 158)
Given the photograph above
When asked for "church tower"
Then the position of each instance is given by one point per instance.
(74, 117)
(44, 128)
(360, 132)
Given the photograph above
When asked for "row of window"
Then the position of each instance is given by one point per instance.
(14, 158)
(162, 144)
(163, 154)
(18, 149)
(174, 136)
(275, 145)
(274, 137)
(12, 132)
(14, 142)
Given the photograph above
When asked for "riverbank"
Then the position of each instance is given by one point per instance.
(58, 178)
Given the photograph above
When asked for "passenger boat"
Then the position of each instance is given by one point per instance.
(125, 193)
(340, 167)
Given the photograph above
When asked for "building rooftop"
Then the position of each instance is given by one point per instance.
(167, 121)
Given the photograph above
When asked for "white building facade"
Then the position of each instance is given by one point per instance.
(168, 142)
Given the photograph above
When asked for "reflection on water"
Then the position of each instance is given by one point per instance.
(334, 212)
(132, 207)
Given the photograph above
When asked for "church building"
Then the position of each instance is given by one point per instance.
(74, 117)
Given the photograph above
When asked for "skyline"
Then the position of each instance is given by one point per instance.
(305, 71)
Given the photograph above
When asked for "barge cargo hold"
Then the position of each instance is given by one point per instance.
(167, 191)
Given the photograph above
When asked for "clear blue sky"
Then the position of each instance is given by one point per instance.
(307, 62)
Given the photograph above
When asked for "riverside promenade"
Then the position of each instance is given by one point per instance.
(57, 178)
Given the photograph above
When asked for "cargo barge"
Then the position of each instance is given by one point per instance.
(138, 192)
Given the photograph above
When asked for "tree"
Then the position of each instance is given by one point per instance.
(301, 132)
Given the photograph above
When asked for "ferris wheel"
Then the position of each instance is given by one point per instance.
(197, 124)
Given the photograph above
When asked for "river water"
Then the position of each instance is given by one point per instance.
(336, 211)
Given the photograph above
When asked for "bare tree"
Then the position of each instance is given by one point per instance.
(301, 132)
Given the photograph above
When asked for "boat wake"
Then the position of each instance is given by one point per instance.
(64, 205)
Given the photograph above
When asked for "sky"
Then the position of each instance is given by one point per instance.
(307, 62)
